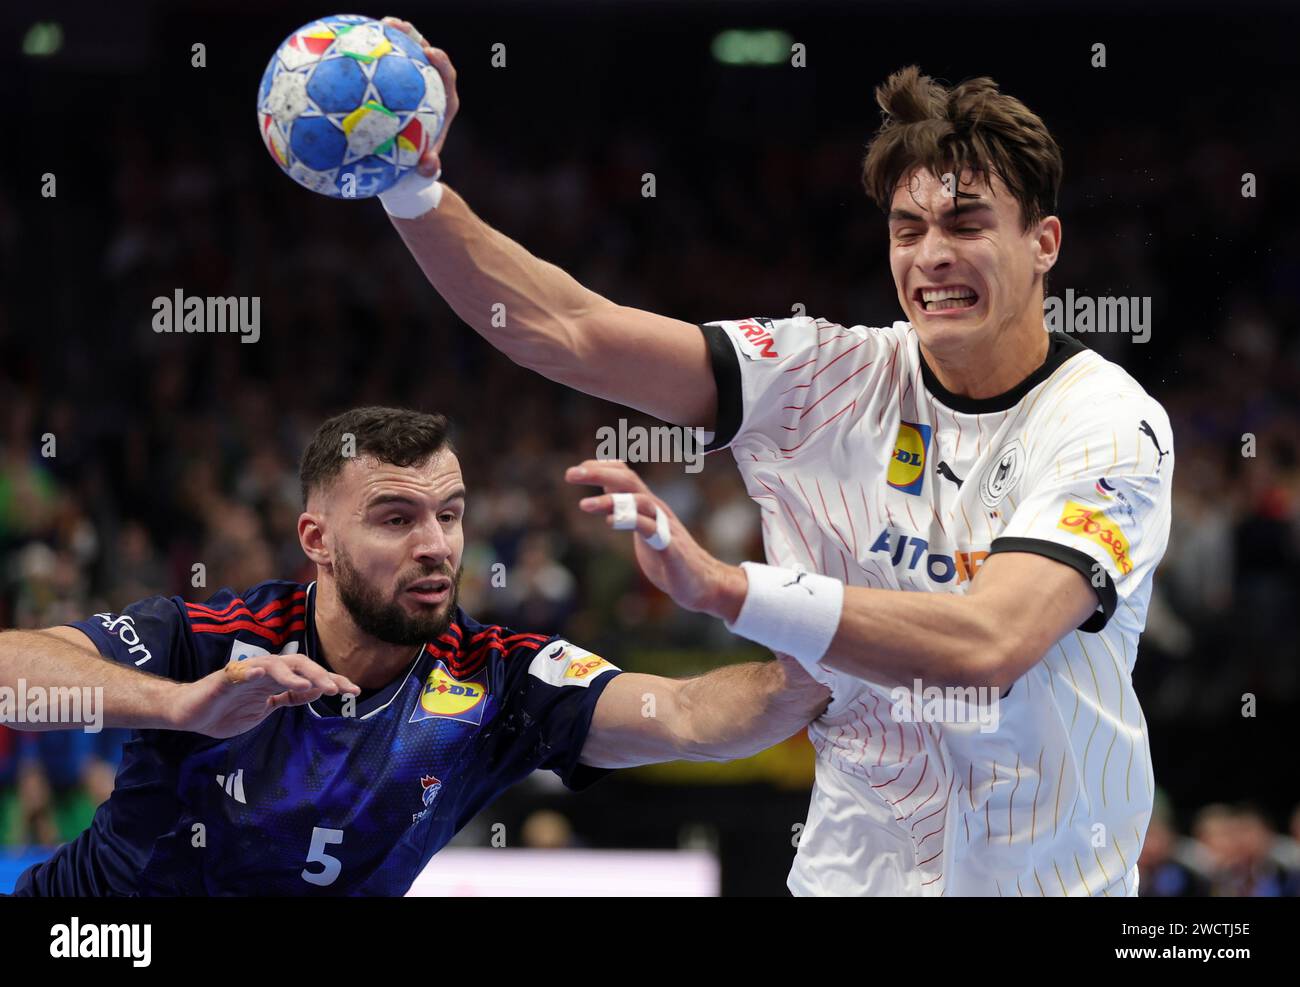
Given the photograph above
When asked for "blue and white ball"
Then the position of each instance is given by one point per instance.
(347, 106)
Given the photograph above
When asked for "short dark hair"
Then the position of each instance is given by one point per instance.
(396, 436)
(973, 126)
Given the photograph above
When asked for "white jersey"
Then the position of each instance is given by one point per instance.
(867, 469)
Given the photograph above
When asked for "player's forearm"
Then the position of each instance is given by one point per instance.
(893, 637)
(526, 307)
(38, 669)
(739, 710)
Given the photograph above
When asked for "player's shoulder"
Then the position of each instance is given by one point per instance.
(1090, 390)
(473, 638)
(274, 610)
(775, 338)
(549, 657)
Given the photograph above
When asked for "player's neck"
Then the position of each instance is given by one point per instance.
(991, 363)
(349, 651)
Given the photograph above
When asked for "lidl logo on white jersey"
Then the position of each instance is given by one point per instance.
(911, 553)
(446, 697)
(907, 465)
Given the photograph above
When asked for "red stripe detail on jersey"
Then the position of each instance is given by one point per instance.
(277, 636)
(201, 622)
(893, 359)
(238, 606)
(833, 390)
(925, 766)
(884, 731)
(919, 807)
(242, 620)
(946, 799)
(833, 338)
(885, 784)
(837, 360)
(849, 514)
(791, 513)
(795, 448)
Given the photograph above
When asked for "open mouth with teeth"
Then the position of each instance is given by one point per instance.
(951, 298)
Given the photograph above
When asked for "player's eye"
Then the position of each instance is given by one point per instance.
(969, 229)
(398, 519)
(447, 517)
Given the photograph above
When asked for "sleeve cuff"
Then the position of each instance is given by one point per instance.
(726, 376)
(1080, 562)
(575, 774)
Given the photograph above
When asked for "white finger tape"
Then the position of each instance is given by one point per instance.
(413, 196)
(662, 537)
(624, 511)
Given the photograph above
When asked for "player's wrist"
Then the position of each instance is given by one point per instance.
(790, 611)
(413, 196)
(727, 595)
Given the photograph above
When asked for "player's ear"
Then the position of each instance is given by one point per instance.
(311, 536)
(1047, 242)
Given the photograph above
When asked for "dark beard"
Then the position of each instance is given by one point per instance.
(385, 620)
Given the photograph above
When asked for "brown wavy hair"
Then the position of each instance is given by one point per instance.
(972, 125)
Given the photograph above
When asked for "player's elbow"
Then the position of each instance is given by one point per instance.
(993, 657)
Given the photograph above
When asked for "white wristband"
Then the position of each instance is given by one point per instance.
(792, 611)
(412, 197)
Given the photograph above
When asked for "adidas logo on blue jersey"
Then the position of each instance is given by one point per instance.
(234, 786)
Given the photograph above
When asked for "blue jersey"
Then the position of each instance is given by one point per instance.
(311, 801)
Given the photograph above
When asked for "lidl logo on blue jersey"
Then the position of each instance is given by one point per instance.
(907, 465)
(449, 698)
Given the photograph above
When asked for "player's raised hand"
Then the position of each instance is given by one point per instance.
(681, 568)
(431, 161)
(244, 693)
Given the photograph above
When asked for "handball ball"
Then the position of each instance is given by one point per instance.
(347, 106)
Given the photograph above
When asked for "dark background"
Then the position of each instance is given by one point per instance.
(173, 449)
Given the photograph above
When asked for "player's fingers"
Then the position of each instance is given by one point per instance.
(314, 674)
(407, 28)
(294, 698)
(284, 676)
(606, 504)
(612, 474)
(239, 672)
(429, 164)
(345, 684)
(441, 61)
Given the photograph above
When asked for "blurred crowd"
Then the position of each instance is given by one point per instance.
(126, 456)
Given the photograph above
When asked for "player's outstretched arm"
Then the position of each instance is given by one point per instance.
(725, 714)
(222, 704)
(539, 316)
(989, 637)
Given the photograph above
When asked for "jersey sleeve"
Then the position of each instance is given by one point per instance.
(550, 698)
(1097, 498)
(782, 380)
(152, 635)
